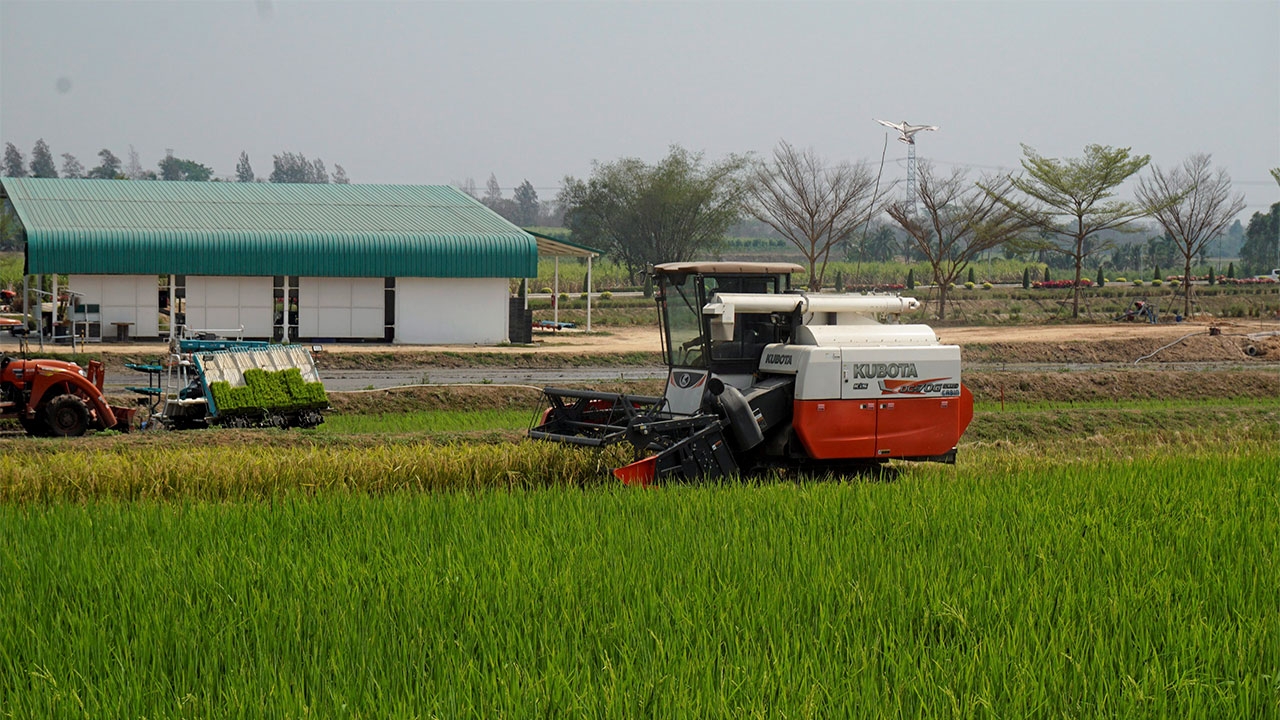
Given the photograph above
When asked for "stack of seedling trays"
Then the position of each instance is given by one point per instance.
(275, 386)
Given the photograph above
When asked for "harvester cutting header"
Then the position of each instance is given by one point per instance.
(762, 376)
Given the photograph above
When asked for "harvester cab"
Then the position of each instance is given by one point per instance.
(762, 376)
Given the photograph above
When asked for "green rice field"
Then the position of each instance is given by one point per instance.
(1123, 572)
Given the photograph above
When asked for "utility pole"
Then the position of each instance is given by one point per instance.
(907, 134)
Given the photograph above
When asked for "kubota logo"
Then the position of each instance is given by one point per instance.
(776, 359)
(885, 370)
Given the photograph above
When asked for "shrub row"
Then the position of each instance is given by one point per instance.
(1055, 284)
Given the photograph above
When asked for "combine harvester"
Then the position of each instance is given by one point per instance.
(236, 383)
(761, 376)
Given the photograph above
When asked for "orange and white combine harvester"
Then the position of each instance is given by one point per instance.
(761, 376)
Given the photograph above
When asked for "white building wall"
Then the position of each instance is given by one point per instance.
(439, 311)
(122, 298)
(225, 303)
(341, 307)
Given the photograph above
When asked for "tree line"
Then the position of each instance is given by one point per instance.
(287, 167)
(681, 207)
(523, 208)
(1063, 211)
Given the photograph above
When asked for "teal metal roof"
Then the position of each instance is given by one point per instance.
(215, 228)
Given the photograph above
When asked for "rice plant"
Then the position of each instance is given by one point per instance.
(430, 421)
(1093, 586)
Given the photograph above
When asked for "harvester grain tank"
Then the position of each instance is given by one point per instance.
(763, 376)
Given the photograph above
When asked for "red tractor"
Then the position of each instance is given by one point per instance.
(57, 398)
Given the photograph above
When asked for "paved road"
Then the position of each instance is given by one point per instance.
(340, 380)
(346, 380)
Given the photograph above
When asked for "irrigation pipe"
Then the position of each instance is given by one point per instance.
(1157, 350)
(1251, 336)
(435, 385)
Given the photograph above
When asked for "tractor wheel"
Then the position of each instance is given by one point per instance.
(67, 416)
(35, 427)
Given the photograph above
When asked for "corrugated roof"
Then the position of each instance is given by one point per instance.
(214, 228)
(553, 246)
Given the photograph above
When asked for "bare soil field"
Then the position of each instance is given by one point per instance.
(1106, 343)
(1120, 335)
(1109, 343)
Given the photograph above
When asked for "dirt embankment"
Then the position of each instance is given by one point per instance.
(616, 347)
(1118, 343)
(987, 386)
(1259, 376)
(1123, 385)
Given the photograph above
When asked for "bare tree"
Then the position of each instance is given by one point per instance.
(1194, 205)
(1071, 201)
(133, 168)
(814, 205)
(960, 221)
(71, 167)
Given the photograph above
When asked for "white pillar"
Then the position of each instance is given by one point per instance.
(588, 293)
(53, 317)
(26, 303)
(173, 300)
(40, 309)
(555, 294)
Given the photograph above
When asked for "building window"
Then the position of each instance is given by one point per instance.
(284, 307)
(389, 309)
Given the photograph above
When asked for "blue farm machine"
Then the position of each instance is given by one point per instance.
(234, 383)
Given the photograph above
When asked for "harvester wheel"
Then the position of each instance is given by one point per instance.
(67, 416)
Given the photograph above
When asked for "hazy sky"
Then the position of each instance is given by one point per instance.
(427, 92)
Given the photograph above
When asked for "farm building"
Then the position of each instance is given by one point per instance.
(395, 263)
